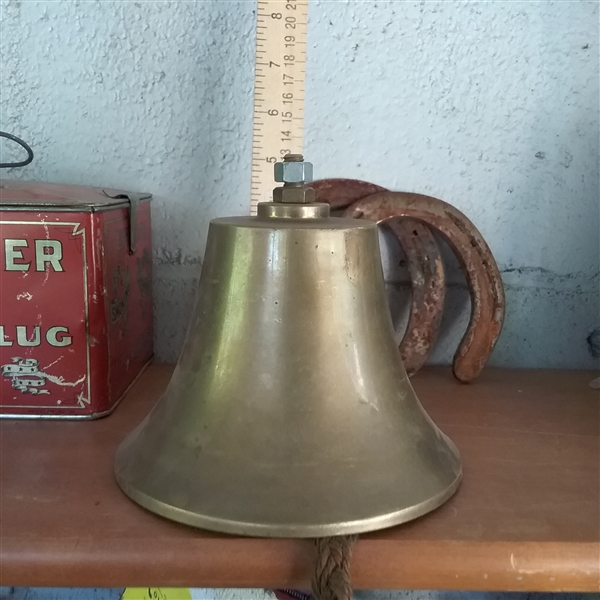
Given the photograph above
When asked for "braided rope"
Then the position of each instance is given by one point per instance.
(331, 578)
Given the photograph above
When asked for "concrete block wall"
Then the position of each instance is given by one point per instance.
(491, 106)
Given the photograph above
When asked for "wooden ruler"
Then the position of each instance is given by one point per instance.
(278, 90)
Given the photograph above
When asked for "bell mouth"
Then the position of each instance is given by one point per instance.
(288, 530)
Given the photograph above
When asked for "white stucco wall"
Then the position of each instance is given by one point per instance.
(492, 106)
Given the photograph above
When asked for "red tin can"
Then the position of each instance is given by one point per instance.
(75, 298)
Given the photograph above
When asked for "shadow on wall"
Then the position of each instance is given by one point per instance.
(559, 311)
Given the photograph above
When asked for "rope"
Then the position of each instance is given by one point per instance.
(331, 578)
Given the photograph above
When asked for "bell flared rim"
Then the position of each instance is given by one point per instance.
(288, 530)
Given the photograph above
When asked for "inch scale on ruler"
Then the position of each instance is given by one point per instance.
(278, 90)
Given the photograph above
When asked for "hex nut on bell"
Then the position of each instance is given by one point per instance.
(293, 172)
(294, 194)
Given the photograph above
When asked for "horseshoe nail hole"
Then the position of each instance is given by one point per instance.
(415, 232)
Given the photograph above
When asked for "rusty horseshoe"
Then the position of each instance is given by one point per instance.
(424, 265)
(483, 276)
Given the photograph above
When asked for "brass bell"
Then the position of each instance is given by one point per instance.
(290, 413)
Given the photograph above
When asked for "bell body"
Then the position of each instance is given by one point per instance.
(289, 413)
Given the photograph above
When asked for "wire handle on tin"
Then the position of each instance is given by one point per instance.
(21, 143)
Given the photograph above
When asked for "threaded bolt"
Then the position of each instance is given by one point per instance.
(293, 158)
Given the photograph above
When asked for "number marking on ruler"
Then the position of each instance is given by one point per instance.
(278, 90)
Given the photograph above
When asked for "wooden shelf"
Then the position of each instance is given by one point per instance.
(525, 518)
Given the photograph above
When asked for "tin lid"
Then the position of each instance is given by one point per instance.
(35, 195)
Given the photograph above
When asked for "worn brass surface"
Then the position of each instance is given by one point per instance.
(274, 210)
(289, 413)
